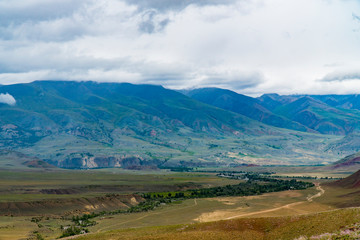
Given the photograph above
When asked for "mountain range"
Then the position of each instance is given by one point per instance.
(94, 125)
(325, 114)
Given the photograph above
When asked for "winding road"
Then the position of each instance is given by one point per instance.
(309, 199)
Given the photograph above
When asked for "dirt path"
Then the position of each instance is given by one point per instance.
(75, 236)
(309, 199)
(146, 215)
(321, 192)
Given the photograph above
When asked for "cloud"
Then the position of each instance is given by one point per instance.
(166, 5)
(7, 99)
(152, 22)
(341, 76)
(356, 17)
(251, 46)
(20, 11)
(72, 21)
(233, 79)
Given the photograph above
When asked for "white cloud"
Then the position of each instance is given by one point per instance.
(7, 99)
(252, 46)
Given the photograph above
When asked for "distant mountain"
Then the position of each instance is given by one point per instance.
(248, 106)
(93, 125)
(326, 114)
(89, 113)
(272, 101)
(341, 101)
(87, 109)
(320, 117)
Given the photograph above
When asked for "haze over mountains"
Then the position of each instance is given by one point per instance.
(92, 125)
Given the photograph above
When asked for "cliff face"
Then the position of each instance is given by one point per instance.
(84, 161)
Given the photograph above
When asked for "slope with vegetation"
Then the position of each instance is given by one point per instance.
(325, 114)
(97, 125)
(248, 106)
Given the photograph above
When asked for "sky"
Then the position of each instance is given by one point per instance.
(249, 46)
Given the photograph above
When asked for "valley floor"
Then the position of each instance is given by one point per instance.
(277, 215)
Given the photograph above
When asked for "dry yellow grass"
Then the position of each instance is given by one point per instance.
(243, 228)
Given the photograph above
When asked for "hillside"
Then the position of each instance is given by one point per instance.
(353, 181)
(320, 117)
(324, 114)
(96, 125)
(244, 105)
(350, 163)
(19, 161)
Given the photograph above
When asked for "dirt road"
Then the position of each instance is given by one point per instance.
(309, 199)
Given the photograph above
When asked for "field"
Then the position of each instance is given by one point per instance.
(56, 195)
(283, 215)
(290, 227)
(38, 203)
(15, 185)
(211, 209)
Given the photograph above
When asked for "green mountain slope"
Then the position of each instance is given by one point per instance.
(244, 105)
(320, 116)
(92, 125)
(326, 114)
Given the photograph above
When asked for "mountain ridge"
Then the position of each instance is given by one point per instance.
(88, 124)
(325, 114)
(244, 105)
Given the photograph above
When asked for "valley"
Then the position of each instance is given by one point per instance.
(28, 215)
(124, 161)
(179, 120)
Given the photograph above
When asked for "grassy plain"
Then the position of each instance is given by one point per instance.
(31, 186)
(288, 227)
(249, 217)
(212, 209)
(54, 194)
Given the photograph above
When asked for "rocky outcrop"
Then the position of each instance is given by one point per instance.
(87, 160)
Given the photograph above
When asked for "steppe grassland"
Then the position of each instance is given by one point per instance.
(212, 209)
(25, 186)
(289, 227)
(181, 212)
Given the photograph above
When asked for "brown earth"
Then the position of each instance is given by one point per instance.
(349, 163)
(70, 206)
(353, 181)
